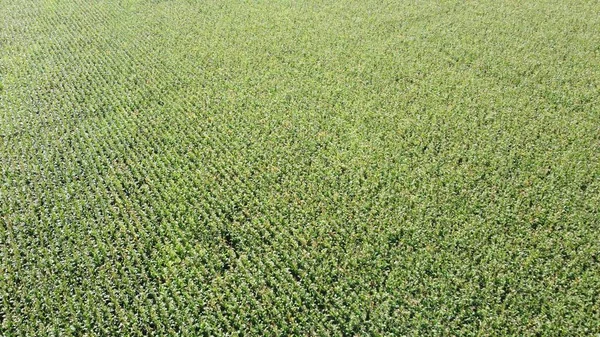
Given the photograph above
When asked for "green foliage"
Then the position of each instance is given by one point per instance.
(340, 168)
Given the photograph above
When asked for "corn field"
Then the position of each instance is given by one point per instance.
(306, 168)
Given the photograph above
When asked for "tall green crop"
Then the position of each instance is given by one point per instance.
(320, 168)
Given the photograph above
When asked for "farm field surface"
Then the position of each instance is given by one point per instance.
(309, 168)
